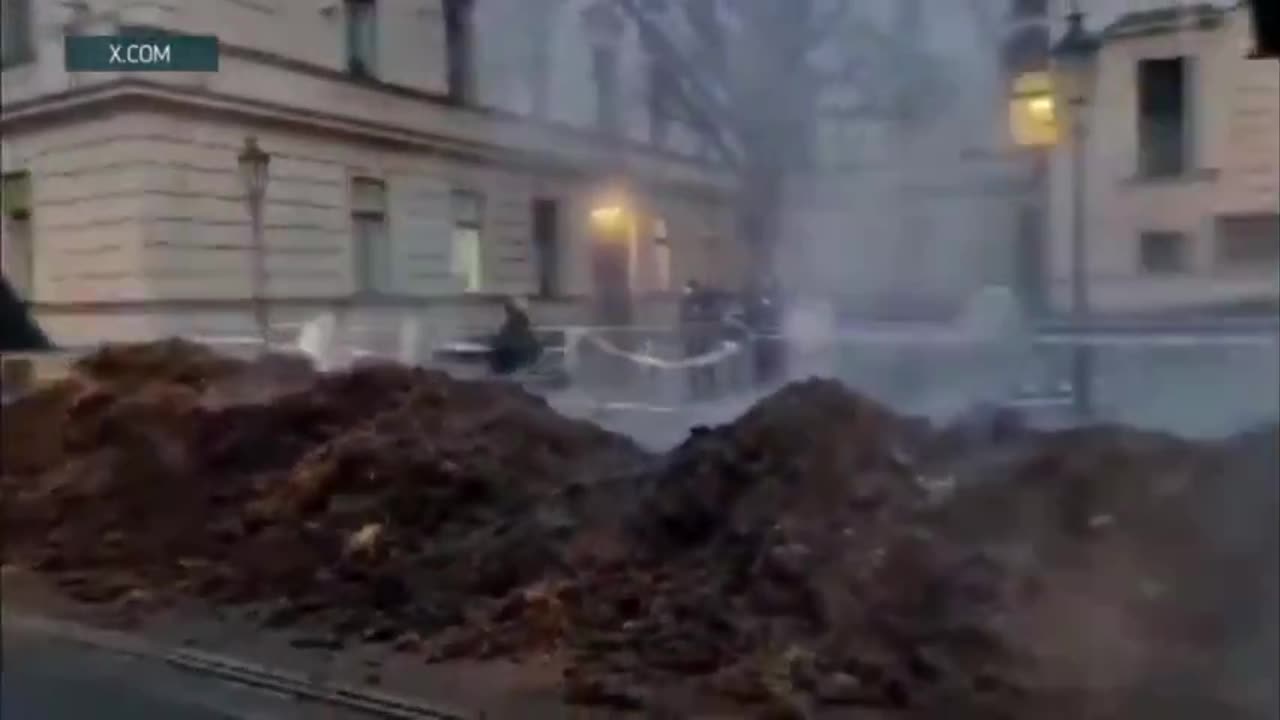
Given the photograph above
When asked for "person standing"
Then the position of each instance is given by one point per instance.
(763, 316)
(695, 331)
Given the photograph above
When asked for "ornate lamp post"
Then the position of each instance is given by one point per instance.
(254, 163)
(1074, 65)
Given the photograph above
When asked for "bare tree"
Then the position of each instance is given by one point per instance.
(754, 79)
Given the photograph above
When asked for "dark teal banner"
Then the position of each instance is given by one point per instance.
(143, 52)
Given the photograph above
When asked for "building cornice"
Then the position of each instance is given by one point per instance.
(443, 102)
(334, 303)
(1201, 17)
(569, 154)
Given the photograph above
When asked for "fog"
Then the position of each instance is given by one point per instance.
(910, 207)
(908, 214)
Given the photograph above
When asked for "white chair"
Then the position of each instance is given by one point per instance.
(410, 339)
(316, 340)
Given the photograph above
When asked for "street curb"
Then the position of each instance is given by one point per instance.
(235, 671)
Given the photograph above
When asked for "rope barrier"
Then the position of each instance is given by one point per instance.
(727, 349)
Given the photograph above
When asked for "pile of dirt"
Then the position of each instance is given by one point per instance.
(329, 498)
(820, 550)
(169, 362)
(813, 553)
(119, 384)
(1152, 556)
(30, 434)
(774, 560)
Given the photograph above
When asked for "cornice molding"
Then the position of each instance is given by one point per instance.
(135, 93)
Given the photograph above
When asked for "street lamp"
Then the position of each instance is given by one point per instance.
(254, 164)
(1074, 65)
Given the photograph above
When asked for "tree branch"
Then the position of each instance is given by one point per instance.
(708, 115)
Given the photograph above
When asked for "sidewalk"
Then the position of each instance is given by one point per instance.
(50, 677)
(226, 657)
(372, 681)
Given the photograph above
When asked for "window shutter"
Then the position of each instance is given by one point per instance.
(468, 208)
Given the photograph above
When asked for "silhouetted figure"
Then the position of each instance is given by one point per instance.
(18, 331)
(515, 347)
(762, 313)
(699, 328)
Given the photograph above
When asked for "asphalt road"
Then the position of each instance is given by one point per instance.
(50, 679)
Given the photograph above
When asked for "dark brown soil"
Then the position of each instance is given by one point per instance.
(818, 551)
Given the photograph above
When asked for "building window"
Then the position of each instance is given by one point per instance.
(459, 44)
(546, 245)
(1266, 28)
(372, 242)
(17, 34)
(16, 195)
(468, 214)
(662, 255)
(604, 72)
(362, 37)
(605, 30)
(1248, 241)
(1163, 118)
(1163, 252)
(662, 88)
(17, 248)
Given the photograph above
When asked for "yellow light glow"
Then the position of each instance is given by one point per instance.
(609, 218)
(607, 214)
(1033, 112)
(1041, 108)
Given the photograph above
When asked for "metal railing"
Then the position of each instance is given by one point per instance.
(1206, 378)
(1189, 382)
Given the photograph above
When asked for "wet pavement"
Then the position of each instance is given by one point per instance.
(51, 679)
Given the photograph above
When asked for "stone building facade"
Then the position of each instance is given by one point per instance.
(915, 222)
(396, 183)
(1182, 166)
